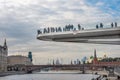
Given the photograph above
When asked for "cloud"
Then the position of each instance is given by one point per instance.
(19, 21)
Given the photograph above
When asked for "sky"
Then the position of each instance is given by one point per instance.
(20, 20)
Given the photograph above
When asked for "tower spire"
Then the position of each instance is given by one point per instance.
(95, 60)
(95, 56)
(5, 44)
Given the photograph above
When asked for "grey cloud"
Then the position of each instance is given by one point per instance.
(20, 22)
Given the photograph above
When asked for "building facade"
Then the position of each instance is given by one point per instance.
(3, 57)
(19, 60)
(18, 63)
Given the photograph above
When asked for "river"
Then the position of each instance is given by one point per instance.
(50, 76)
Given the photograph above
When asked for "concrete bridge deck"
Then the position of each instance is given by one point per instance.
(84, 36)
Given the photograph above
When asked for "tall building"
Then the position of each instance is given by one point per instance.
(57, 62)
(3, 57)
(30, 56)
(95, 60)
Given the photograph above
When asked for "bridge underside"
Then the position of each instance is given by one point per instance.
(98, 36)
(115, 42)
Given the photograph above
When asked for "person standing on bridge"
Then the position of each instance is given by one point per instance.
(115, 24)
(97, 26)
(112, 25)
(39, 32)
(101, 25)
(79, 27)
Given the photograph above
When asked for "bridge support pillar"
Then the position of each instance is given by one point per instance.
(83, 69)
(111, 71)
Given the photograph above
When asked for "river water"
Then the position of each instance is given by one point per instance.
(50, 76)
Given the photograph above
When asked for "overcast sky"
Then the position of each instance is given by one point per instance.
(20, 19)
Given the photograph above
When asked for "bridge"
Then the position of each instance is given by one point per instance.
(100, 36)
(30, 68)
(115, 66)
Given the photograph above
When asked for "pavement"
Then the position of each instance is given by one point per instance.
(10, 73)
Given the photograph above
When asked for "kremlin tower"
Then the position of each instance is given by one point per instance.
(95, 60)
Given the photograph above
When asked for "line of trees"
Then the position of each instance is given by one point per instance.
(110, 59)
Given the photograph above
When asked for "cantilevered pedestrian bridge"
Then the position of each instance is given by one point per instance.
(100, 36)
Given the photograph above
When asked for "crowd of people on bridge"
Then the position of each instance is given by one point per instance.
(69, 27)
(101, 25)
(114, 24)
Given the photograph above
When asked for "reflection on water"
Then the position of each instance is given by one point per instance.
(49, 76)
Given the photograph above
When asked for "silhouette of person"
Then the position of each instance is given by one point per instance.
(39, 32)
(101, 25)
(79, 27)
(115, 24)
(82, 28)
(97, 26)
(112, 25)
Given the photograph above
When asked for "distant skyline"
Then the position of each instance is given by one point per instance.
(20, 20)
